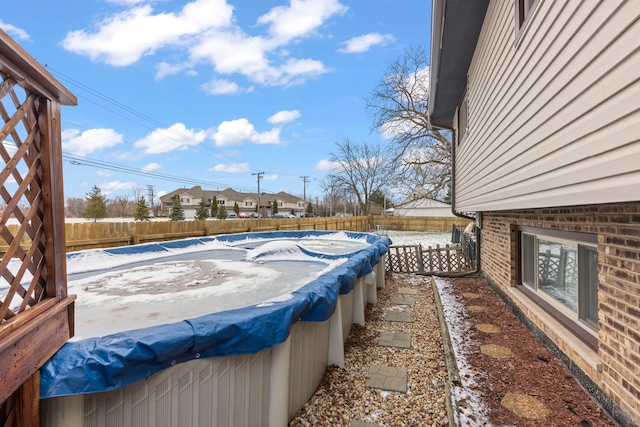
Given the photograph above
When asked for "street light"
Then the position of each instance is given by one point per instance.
(259, 175)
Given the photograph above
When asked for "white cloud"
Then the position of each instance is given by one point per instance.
(126, 2)
(284, 116)
(326, 165)
(13, 31)
(205, 32)
(270, 177)
(125, 37)
(164, 69)
(149, 167)
(366, 42)
(89, 141)
(300, 18)
(117, 186)
(232, 168)
(177, 137)
(240, 131)
(220, 87)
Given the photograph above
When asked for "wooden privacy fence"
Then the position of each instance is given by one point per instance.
(416, 223)
(90, 235)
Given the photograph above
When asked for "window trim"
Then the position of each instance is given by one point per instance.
(463, 118)
(522, 18)
(572, 321)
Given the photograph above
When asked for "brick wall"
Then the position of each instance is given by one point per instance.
(618, 229)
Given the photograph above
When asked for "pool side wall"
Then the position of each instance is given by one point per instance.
(263, 389)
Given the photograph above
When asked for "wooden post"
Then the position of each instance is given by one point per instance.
(53, 198)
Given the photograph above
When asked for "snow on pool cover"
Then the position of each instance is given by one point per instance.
(141, 309)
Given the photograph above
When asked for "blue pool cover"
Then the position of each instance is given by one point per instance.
(113, 361)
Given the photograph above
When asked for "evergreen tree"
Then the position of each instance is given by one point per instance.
(274, 207)
(236, 208)
(96, 204)
(177, 213)
(222, 214)
(202, 212)
(309, 208)
(142, 210)
(214, 207)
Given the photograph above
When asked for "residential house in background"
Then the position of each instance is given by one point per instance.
(543, 98)
(190, 199)
(420, 205)
(423, 207)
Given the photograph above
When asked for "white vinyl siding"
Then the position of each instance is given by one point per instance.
(555, 120)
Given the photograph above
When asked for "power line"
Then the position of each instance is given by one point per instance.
(85, 161)
(173, 134)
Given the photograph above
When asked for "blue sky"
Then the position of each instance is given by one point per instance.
(213, 91)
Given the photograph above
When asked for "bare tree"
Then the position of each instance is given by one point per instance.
(333, 193)
(137, 192)
(75, 207)
(120, 206)
(399, 110)
(360, 170)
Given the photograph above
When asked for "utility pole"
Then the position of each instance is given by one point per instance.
(305, 179)
(150, 195)
(259, 175)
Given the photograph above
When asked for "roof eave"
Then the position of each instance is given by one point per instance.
(455, 27)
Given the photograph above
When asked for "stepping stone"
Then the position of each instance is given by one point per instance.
(471, 295)
(524, 406)
(398, 316)
(488, 328)
(394, 339)
(477, 309)
(387, 378)
(404, 300)
(496, 351)
(363, 424)
(408, 291)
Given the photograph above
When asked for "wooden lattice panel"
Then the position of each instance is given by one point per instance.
(404, 259)
(415, 259)
(446, 259)
(23, 280)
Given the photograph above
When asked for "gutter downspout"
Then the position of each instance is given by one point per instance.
(476, 270)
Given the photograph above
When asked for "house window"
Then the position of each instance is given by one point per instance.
(463, 118)
(221, 202)
(562, 269)
(523, 12)
(248, 203)
(280, 204)
(184, 200)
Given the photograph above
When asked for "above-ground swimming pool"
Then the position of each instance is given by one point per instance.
(142, 309)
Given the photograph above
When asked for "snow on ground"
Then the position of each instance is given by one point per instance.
(471, 409)
(424, 238)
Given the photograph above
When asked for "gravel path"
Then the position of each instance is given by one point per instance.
(342, 396)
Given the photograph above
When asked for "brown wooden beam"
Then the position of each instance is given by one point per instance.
(24, 350)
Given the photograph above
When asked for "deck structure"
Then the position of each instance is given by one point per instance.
(36, 314)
